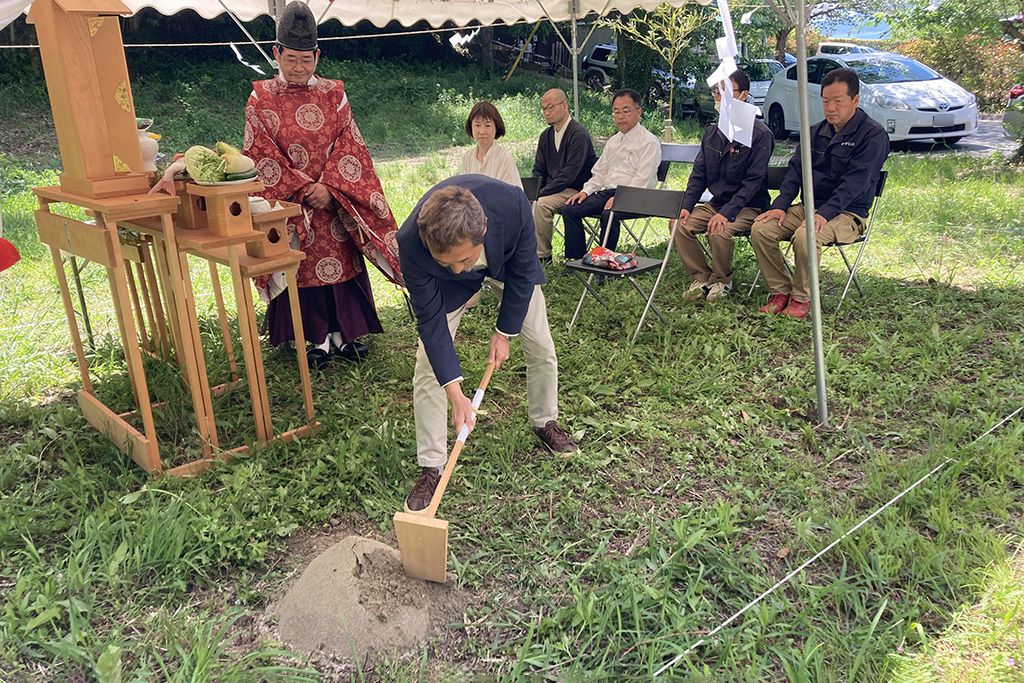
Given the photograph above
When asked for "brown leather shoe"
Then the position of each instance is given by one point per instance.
(423, 491)
(776, 304)
(556, 439)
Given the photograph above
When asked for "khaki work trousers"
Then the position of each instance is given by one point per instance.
(544, 210)
(430, 404)
(765, 238)
(722, 246)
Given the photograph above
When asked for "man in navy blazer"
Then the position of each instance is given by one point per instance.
(467, 232)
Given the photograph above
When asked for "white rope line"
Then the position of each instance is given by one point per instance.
(271, 42)
(829, 547)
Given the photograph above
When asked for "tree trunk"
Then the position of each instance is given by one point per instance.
(780, 43)
(484, 49)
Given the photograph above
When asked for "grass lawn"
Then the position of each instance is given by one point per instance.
(703, 478)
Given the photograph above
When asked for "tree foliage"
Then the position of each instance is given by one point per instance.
(666, 31)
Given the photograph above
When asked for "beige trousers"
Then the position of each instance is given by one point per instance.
(430, 404)
(765, 238)
(694, 261)
(544, 211)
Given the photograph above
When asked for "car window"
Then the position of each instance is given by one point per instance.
(812, 72)
(889, 69)
(601, 54)
(826, 66)
(761, 71)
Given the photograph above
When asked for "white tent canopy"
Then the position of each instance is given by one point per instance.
(408, 12)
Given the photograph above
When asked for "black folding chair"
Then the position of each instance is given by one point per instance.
(775, 174)
(651, 202)
(670, 153)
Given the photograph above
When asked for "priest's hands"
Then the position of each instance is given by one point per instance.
(318, 196)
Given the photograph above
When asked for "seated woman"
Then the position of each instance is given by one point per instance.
(489, 158)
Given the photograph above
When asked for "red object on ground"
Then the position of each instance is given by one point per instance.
(8, 254)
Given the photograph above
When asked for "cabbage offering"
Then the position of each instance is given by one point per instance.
(204, 165)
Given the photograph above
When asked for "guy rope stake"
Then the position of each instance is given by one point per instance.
(422, 539)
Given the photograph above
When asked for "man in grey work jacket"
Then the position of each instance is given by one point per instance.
(737, 177)
(467, 232)
(848, 149)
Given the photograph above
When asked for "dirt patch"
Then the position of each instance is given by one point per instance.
(355, 601)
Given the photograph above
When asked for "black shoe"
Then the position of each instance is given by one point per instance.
(353, 352)
(317, 358)
(600, 280)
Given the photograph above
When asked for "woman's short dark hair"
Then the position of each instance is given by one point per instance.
(485, 110)
(847, 76)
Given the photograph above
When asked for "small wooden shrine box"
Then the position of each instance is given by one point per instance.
(93, 111)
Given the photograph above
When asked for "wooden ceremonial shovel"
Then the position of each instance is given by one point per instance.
(423, 540)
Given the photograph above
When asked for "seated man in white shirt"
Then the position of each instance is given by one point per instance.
(630, 158)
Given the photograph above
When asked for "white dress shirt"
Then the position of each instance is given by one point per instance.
(498, 164)
(629, 159)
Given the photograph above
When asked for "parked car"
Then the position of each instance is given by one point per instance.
(842, 49)
(1013, 114)
(599, 67)
(759, 71)
(911, 101)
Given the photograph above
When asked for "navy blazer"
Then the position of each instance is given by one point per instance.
(510, 246)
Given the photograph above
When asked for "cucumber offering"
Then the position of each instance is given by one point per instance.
(248, 175)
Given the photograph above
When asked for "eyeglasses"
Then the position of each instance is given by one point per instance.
(551, 106)
(624, 112)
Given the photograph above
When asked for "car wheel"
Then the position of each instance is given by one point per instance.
(654, 93)
(595, 81)
(777, 122)
(949, 142)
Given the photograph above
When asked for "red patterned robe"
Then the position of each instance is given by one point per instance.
(302, 134)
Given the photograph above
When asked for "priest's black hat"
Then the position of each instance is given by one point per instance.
(296, 29)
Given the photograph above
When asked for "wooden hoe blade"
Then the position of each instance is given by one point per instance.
(422, 539)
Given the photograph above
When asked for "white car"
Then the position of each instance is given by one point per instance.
(842, 49)
(911, 101)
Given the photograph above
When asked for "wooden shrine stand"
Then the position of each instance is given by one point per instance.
(226, 239)
(94, 116)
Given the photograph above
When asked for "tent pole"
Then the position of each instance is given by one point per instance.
(808, 200)
(573, 6)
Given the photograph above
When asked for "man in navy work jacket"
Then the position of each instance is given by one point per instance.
(467, 232)
(848, 149)
(737, 177)
(565, 156)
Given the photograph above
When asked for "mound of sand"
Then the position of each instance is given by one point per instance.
(354, 600)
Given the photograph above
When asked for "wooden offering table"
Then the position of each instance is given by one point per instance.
(229, 239)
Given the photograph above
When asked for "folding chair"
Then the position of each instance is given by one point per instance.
(531, 186)
(670, 153)
(862, 240)
(651, 202)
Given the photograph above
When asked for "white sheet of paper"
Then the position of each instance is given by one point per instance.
(722, 73)
(741, 122)
(730, 35)
(745, 19)
(722, 45)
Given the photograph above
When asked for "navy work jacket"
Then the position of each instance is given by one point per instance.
(510, 247)
(736, 175)
(844, 166)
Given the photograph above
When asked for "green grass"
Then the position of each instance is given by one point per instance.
(984, 641)
(703, 478)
